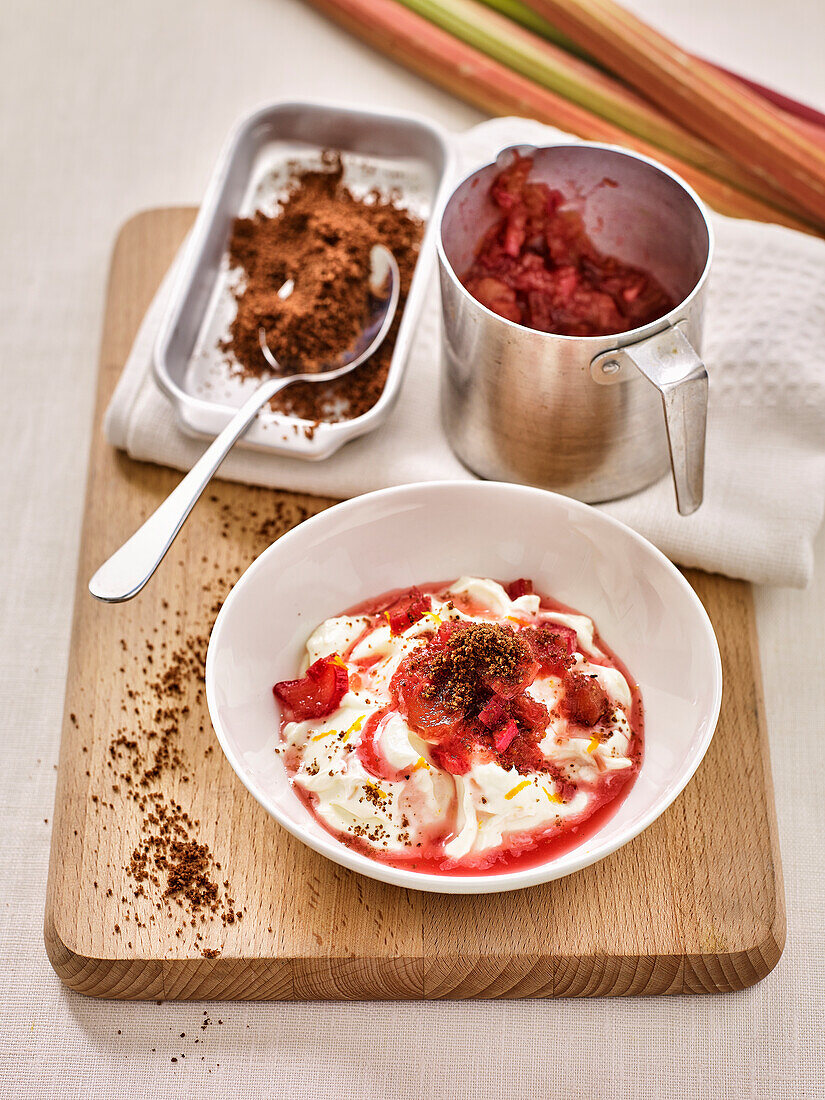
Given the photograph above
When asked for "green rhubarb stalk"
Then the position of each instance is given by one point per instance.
(573, 79)
(542, 62)
(520, 13)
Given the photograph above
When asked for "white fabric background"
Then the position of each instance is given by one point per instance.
(109, 107)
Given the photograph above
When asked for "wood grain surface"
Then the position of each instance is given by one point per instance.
(695, 904)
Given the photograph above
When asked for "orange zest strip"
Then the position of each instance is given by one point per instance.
(355, 727)
(321, 736)
(520, 787)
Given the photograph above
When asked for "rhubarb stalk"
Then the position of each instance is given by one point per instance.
(704, 99)
(795, 114)
(532, 56)
(491, 86)
(792, 109)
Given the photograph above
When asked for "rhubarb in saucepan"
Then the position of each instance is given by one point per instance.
(536, 265)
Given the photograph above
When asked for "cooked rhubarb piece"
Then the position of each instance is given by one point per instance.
(585, 701)
(537, 266)
(531, 715)
(454, 753)
(505, 736)
(553, 646)
(512, 685)
(315, 695)
(508, 186)
(493, 714)
(467, 684)
(495, 295)
(520, 587)
(408, 609)
(426, 712)
(524, 753)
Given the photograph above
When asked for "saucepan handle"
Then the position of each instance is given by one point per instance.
(670, 363)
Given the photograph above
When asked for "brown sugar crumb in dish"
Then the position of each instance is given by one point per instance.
(321, 239)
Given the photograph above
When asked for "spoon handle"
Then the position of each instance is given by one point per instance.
(129, 568)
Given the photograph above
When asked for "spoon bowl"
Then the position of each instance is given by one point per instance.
(385, 287)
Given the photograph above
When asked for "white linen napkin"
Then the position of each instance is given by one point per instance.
(765, 353)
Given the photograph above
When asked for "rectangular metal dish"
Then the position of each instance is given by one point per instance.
(395, 153)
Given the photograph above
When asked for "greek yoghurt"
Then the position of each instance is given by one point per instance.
(460, 727)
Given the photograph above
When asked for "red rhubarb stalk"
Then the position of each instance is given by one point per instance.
(704, 99)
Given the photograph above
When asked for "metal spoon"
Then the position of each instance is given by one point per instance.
(129, 568)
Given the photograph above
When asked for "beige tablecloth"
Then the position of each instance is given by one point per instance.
(108, 108)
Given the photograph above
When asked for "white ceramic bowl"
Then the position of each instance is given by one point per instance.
(643, 607)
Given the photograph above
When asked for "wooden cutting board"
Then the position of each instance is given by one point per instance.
(695, 904)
